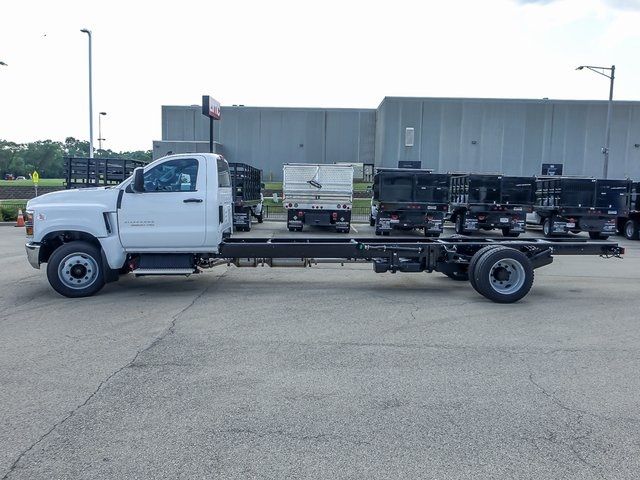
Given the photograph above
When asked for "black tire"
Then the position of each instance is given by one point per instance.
(260, 218)
(459, 225)
(86, 269)
(474, 261)
(632, 230)
(372, 222)
(292, 229)
(598, 236)
(378, 232)
(547, 230)
(429, 234)
(386, 234)
(503, 275)
(506, 232)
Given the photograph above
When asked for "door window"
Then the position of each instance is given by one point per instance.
(224, 177)
(178, 175)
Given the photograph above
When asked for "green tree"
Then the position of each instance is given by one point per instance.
(10, 152)
(44, 156)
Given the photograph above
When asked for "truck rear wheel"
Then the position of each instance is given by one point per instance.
(372, 222)
(632, 230)
(503, 275)
(75, 270)
(474, 261)
(260, 218)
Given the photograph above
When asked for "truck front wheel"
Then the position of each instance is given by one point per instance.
(75, 270)
(547, 227)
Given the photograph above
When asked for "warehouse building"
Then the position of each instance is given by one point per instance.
(446, 134)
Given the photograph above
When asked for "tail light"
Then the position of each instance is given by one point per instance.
(394, 217)
(429, 217)
(334, 215)
(300, 214)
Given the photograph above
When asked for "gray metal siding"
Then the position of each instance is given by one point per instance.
(268, 137)
(512, 136)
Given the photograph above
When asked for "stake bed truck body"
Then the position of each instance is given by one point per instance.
(246, 182)
(485, 202)
(572, 205)
(174, 217)
(405, 199)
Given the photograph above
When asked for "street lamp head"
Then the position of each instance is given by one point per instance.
(3, 64)
(580, 67)
(103, 113)
(85, 30)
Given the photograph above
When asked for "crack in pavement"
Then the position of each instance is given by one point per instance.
(166, 332)
(575, 436)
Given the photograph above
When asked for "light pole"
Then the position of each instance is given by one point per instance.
(607, 136)
(100, 139)
(88, 32)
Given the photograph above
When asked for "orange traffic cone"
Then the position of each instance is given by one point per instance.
(20, 219)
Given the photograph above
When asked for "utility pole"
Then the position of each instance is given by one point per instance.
(88, 32)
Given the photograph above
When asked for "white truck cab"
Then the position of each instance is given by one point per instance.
(152, 223)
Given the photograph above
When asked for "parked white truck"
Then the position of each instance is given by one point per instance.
(174, 217)
(318, 194)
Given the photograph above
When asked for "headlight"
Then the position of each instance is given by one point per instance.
(28, 223)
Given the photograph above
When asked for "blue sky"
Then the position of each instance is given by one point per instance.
(291, 53)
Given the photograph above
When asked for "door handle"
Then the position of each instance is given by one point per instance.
(192, 200)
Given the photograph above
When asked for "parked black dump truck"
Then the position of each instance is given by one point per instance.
(573, 205)
(408, 199)
(247, 195)
(486, 202)
(82, 172)
(629, 225)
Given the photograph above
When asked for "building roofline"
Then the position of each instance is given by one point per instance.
(300, 109)
(505, 100)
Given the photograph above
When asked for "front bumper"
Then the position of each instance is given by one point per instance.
(33, 254)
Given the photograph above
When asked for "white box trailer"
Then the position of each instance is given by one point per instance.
(318, 194)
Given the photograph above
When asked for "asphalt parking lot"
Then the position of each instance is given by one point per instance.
(327, 372)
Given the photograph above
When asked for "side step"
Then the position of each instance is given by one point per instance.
(164, 271)
(165, 264)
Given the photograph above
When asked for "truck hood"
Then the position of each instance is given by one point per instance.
(105, 198)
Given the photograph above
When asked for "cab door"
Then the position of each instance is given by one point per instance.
(171, 212)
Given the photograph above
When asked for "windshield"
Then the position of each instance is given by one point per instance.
(518, 190)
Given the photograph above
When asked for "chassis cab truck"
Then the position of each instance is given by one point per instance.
(318, 194)
(407, 199)
(487, 202)
(152, 223)
(246, 182)
(573, 205)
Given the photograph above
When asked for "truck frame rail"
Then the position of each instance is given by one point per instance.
(501, 270)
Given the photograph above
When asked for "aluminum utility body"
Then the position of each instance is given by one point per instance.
(487, 202)
(174, 217)
(629, 225)
(318, 194)
(573, 205)
(407, 199)
(246, 182)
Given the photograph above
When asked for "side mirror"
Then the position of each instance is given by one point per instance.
(138, 180)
